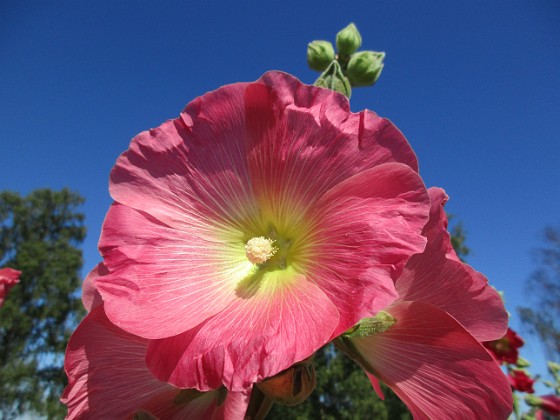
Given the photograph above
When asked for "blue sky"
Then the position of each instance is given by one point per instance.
(473, 85)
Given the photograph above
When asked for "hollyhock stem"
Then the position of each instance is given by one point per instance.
(259, 405)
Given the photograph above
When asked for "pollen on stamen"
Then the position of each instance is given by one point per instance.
(260, 249)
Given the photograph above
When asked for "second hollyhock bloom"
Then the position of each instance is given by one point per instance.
(108, 379)
(426, 345)
(263, 222)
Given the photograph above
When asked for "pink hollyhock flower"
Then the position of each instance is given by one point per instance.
(520, 381)
(8, 278)
(505, 349)
(263, 222)
(108, 378)
(426, 345)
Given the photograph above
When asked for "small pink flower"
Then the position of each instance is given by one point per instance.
(520, 381)
(505, 349)
(108, 379)
(263, 222)
(8, 278)
(426, 345)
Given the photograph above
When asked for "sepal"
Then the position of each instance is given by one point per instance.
(333, 78)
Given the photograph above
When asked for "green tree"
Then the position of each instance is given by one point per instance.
(543, 319)
(40, 235)
(458, 238)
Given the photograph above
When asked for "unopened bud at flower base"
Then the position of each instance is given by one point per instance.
(348, 40)
(333, 78)
(365, 67)
(291, 386)
(319, 55)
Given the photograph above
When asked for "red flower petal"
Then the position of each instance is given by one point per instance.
(437, 277)
(108, 378)
(163, 281)
(448, 284)
(436, 367)
(367, 227)
(253, 339)
(90, 295)
(436, 228)
(302, 141)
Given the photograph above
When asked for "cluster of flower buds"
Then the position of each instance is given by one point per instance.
(348, 67)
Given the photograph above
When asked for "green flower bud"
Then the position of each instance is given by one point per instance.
(333, 78)
(365, 67)
(533, 400)
(348, 40)
(319, 55)
(553, 367)
(548, 384)
(522, 363)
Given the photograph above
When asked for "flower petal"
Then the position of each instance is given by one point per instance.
(436, 228)
(108, 378)
(269, 330)
(431, 278)
(162, 280)
(437, 277)
(375, 384)
(303, 140)
(366, 229)
(191, 171)
(436, 367)
(90, 295)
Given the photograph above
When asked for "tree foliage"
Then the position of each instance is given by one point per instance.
(40, 235)
(458, 238)
(543, 318)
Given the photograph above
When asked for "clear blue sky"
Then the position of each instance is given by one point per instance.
(474, 85)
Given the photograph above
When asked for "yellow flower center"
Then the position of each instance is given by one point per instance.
(259, 249)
